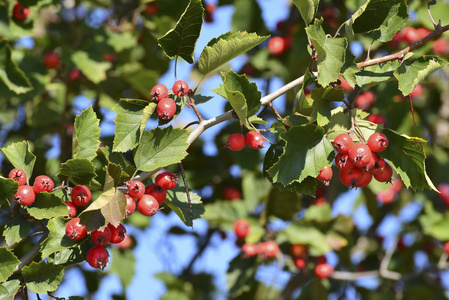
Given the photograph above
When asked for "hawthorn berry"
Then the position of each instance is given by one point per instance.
(323, 270)
(101, 237)
(365, 100)
(235, 142)
(386, 196)
(345, 85)
(166, 108)
(74, 230)
(249, 250)
(126, 243)
(350, 177)
(385, 174)
(255, 140)
(71, 208)
(446, 247)
(51, 60)
(378, 142)
(360, 154)
(159, 92)
(299, 262)
(80, 195)
(18, 175)
(365, 179)
(151, 8)
(325, 175)
(118, 233)
(276, 45)
(20, 13)
(167, 180)
(136, 189)
(43, 183)
(25, 195)
(376, 119)
(343, 142)
(130, 205)
(147, 205)
(417, 91)
(242, 228)
(231, 193)
(343, 162)
(443, 188)
(396, 185)
(298, 250)
(75, 74)
(180, 88)
(97, 257)
(268, 250)
(379, 164)
(158, 192)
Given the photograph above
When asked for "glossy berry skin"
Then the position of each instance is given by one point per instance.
(180, 88)
(276, 46)
(130, 205)
(235, 142)
(360, 154)
(167, 180)
(159, 92)
(351, 178)
(323, 270)
(325, 175)
(166, 108)
(18, 175)
(365, 179)
(158, 192)
(25, 195)
(379, 164)
(242, 228)
(249, 250)
(74, 230)
(147, 205)
(298, 250)
(118, 234)
(101, 237)
(343, 142)
(97, 257)
(71, 208)
(268, 250)
(51, 60)
(20, 13)
(80, 195)
(343, 162)
(231, 193)
(136, 189)
(43, 183)
(255, 140)
(378, 142)
(385, 174)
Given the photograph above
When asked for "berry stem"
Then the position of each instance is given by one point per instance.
(431, 18)
(192, 102)
(278, 117)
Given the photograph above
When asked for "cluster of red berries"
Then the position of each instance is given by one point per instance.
(26, 194)
(166, 107)
(299, 254)
(253, 139)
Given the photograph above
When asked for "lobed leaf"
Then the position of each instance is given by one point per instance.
(177, 201)
(8, 188)
(9, 289)
(43, 277)
(16, 230)
(47, 206)
(11, 75)
(8, 263)
(86, 135)
(77, 170)
(322, 98)
(20, 157)
(376, 74)
(307, 9)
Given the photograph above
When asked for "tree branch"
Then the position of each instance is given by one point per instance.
(31, 254)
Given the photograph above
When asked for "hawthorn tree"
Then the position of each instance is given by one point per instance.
(365, 115)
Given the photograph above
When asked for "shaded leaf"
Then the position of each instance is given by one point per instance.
(77, 170)
(94, 70)
(307, 9)
(16, 230)
(283, 204)
(7, 264)
(377, 73)
(241, 275)
(123, 264)
(322, 98)
(248, 16)
(8, 188)
(20, 157)
(177, 201)
(9, 289)
(42, 277)
(47, 206)
(56, 240)
(11, 75)
(86, 135)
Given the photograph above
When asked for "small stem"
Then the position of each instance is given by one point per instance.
(352, 276)
(181, 168)
(383, 271)
(430, 15)
(338, 30)
(278, 117)
(176, 64)
(192, 104)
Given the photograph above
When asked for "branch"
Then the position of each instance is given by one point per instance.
(352, 276)
(384, 272)
(31, 254)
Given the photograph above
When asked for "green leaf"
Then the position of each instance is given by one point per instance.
(434, 223)
(221, 212)
(322, 98)
(407, 158)
(123, 264)
(20, 157)
(244, 21)
(77, 170)
(120, 40)
(116, 172)
(13, 77)
(47, 206)
(94, 70)
(302, 233)
(7, 264)
(226, 47)
(241, 94)
(283, 204)
(8, 188)
(306, 152)
(9, 289)
(43, 277)
(241, 275)
(377, 73)
(177, 201)
(16, 230)
(410, 73)
(161, 147)
(199, 99)
(303, 104)
(319, 213)
(340, 122)
(307, 9)
(181, 40)
(86, 135)
(331, 53)
(132, 117)
(70, 256)
(56, 240)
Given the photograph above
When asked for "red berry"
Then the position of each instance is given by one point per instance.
(235, 142)
(74, 230)
(299, 262)
(376, 119)
(387, 196)
(345, 85)
(74, 74)
(385, 174)
(249, 250)
(298, 250)
(242, 228)
(410, 35)
(255, 140)
(136, 189)
(360, 154)
(378, 165)
(43, 183)
(320, 201)
(118, 233)
(396, 185)
(443, 188)
(268, 250)
(325, 175)
(417, 91)
(351, 177)
(97, 257)
(343, 142)
(151, 8)
(80, 195)
(440, 46)
(147, 205)
(323, 270)
(343, 162)
(231, 193)
(378, 142)
(126, 243)
(180, 88)
(20, 13)
(365, 179)
(276, 45)
(159, 92)
(130, 205)
(101, 237)
(18, 175)
(365, 100)
(166, 108)
(51, 60)
(446, 247)
(158, 192)
(71, 208)
(25, 195)
(167, 180)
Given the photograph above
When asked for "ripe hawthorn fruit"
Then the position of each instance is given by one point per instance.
(378, 165)
(386, 196)
(151, 8)
(118, 233)
(71, 208)
(242, 228)
(20, 13)
(43, 183)
(159, 92)
(75, 74)
(136, 189)
(299, 262)
(325, 175)
(417, 91)
(158, 192)
(74, 230)
(365, 100)
(298, 250)
(255, 140)
(343, 162)
(167, 180)
(365, 179)
(446, 247)
(378, 142)
(385, 174)
(18, 175)
(376, 119)
(343, 142)
(80, 195)
(126, 243)
(235, 142)
(323, 270)
(130, 205)
(276, 45)
(166, 108)
(51, 60)
(25, 195)
(444, 192)
(180, 88)
(231, 193)
(350, 177)
(360, 154)
(147, 205)
(97, 257)
(268, 250)
(249, 250)
(101, 237)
